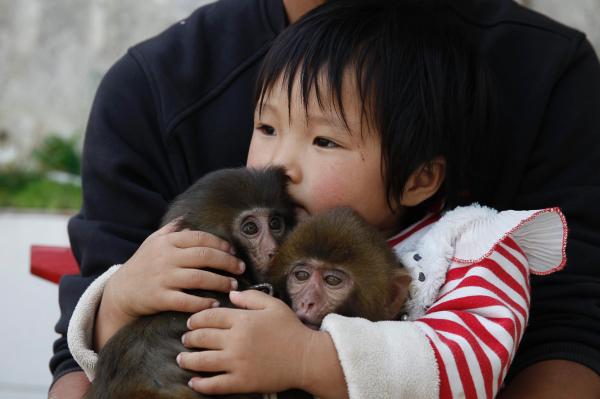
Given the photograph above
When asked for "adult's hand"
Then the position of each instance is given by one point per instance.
(70, 386)
(554, 379)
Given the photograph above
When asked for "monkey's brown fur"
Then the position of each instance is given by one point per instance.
(343, 239)
(139, 360)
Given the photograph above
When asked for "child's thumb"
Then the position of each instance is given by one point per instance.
(249, 299)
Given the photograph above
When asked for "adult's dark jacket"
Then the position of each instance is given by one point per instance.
(180, 105)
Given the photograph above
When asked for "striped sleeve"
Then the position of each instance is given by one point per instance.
(478, 320)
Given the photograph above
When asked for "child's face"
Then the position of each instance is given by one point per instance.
(327, 165)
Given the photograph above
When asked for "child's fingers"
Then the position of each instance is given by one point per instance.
(214, 318)
(208, 257)
(202, 361)
(216, 385)
(204, 338)
(182, 302)
(202, 280)
(195, 238)
(167, 228)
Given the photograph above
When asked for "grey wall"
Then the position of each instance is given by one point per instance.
(54, 52)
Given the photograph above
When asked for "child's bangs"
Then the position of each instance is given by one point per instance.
(321, 60)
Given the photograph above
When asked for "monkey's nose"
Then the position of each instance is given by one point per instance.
(271, 255)
(306, 307)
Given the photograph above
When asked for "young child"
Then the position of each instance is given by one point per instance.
(380, 107)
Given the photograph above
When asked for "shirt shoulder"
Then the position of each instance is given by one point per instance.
(507, 14)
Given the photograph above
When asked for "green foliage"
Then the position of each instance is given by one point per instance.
(37, 187)
(58, 153)
(20, 189)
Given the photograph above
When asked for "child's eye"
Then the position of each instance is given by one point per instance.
(326, 143)
(266, 129)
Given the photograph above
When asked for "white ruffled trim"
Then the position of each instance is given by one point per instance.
(80, 334)
(541, 235)
(470, 234)
(386, 359)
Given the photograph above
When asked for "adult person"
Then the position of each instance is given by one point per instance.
(180, 105)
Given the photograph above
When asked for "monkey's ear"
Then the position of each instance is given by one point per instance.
(424, 182)
(398, 293)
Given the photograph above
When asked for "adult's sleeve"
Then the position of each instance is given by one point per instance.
(563, 171)
(126, 184)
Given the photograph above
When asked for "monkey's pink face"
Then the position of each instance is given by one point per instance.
(316, 290)
(327, 165)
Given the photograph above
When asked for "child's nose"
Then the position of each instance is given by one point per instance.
(293, 170)
(293, 174)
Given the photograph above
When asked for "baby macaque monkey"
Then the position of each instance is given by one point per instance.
(337, 263)
(249, 208)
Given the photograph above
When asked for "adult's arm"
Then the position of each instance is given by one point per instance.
(557, 379)
(126, 186)
(562, 170)
(172, 109)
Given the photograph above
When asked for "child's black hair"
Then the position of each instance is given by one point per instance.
(421, 84)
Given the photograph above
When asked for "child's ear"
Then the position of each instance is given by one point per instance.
(424, 182)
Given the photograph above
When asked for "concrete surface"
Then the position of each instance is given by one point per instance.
(28, 305)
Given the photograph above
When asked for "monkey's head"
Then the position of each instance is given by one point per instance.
(337, 263)
(250, 208)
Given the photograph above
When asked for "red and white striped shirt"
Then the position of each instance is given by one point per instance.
(478, 321)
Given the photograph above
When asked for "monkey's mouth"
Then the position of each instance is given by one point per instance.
(312, 324)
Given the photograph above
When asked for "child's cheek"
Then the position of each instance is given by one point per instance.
(329, 191)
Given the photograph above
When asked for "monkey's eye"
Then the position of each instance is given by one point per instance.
(276, 223)
(333, 280)
(249, 228)
(301, 275)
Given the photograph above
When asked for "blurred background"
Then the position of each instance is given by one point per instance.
(53, 54)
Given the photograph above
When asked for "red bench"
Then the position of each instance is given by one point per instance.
(51, 262)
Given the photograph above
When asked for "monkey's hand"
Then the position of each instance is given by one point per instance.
(167, 262)
(262, 348)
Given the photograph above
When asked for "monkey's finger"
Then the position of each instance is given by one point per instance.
(181, 302)
(195, 238)
(208, 257)
(203, 338)
(201, 280)
(202, 361)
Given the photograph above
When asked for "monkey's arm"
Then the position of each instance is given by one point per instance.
(464, 343)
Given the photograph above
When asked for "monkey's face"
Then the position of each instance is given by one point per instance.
(260, 232)
(316, 289)
(328, 163)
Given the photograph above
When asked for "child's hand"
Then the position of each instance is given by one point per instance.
(152, 280)
(259, 350)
